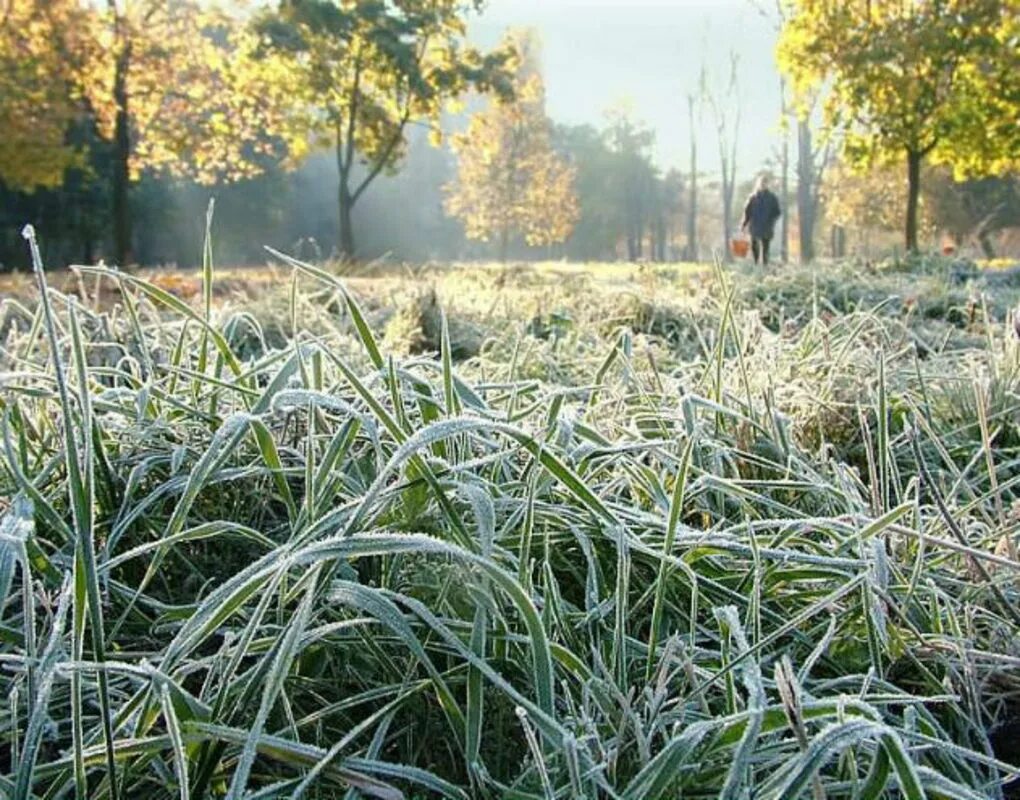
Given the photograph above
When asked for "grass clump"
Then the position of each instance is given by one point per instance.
(319, 567)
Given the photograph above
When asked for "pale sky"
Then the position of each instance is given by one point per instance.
(649, 53)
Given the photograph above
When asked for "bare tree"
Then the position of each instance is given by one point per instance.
(784, 175)
(811, 165)
(811, 161)
(726, 110)
(693, 116)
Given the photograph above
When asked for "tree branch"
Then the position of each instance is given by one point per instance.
(384, 157)
(353, 116)
(398, 134)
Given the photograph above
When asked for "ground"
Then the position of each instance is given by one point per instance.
(599, 530)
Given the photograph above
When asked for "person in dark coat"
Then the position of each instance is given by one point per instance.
(760, 215)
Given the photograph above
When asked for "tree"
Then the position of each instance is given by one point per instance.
(975, 208)
(868, 202)
(784, 173)
(170, 86)
(366, 69)
(509, 179)
(726, 105)
(936, 79)
(37, 91)
(599, 223)
(693, 119)
(178, 90)
(669, 205)
(812, 162)
(784, 146)
(633, 176)
(621, 196)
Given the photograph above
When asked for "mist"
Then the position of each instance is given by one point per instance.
(601, 62)
(643, 58)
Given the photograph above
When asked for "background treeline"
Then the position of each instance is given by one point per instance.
(374, 129)
(628, 209)
(404, 218)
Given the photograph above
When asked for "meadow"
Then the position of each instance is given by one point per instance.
(534, 531)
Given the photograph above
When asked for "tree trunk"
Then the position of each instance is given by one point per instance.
(784, 182)
(728, 158)
(913, 195)
(838, 241)
(346, 225)
(504, 244)
(692, 209)
(728, 187)
(727, 233)
(985, 240)
(639, 216)
(633, 245)
(806, 194)
(345, 202)
(122, 159)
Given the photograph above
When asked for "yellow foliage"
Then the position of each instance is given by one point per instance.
(357, 84)
(872, 199)
(200, 102)
(37, 92)
(509, 179)
(940, 79)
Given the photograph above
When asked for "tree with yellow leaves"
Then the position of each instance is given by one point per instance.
(935, 80)
(364, 70)
(180, 90)
(38, 91)
(868, 202)
(509, 180)
(175, 88)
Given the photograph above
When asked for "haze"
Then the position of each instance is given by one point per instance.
(597, 53)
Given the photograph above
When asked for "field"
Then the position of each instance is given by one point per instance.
(537, 531)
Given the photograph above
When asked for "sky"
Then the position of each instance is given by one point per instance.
(648, 54)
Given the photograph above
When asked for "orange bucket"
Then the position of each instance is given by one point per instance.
(739, 248)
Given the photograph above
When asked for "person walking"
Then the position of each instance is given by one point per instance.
(760, 215)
